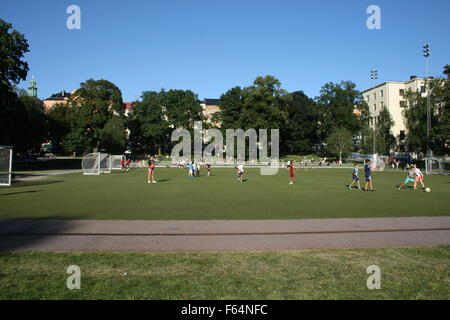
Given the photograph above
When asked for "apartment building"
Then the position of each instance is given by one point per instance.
(390, 94)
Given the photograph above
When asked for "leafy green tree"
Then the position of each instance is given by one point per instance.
(149, 128)
(415, 114)
(96, 118)
(231, 105)
(34, 123)
(383, 127)
(299, 134)
(263, 105)
(440, 99)
(157, 115)
(339, 143)
(336, 106)
(13, 69)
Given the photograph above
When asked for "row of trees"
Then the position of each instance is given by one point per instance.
(337, 121)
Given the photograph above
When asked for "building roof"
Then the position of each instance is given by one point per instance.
(212, 101)
(128, 105)
(59, 96)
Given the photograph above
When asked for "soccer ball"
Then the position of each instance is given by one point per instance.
(427, 189)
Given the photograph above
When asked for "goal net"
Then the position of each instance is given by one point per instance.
(437, 165)
(115, 162)
(96, 163)
(6, 153)
(105, 163)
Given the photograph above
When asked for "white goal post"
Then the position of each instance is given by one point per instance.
(96, 163)
(6, 155)
(437, 165)
(115, 162)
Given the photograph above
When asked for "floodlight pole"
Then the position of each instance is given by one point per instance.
(426, 54)
(374, 77)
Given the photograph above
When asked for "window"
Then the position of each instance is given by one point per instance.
(374, 107)
(401, 92)
(381, 93)
(374, 95)
(402, 135)
(368, 98)
(402, 104)
(381, 105)
(422, 89)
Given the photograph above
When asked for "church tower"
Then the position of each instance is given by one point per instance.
(32, 88)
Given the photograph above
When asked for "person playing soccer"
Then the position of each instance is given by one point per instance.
(151, 171)
(419, 177)
(355, 177)
(368, 172)
(240, 172)
(122, 164)
(208, 165)
(290, 167)
(409, 178)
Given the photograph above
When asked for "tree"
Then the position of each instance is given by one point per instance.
(96, 117)
(339, 143)
(231, 105)
(13, 69)
(264, 102)
(337, 104)
(149, 129)
(415, 114)
(440, 99)
(299, 134)
(157, 114)
(383, 128)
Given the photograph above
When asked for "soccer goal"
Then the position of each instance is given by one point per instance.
(437, 165)
(96, 163)
(6, 153)
(115, 162)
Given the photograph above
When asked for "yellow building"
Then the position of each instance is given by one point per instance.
(390, 94)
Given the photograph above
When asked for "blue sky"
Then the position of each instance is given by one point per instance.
(212, 46)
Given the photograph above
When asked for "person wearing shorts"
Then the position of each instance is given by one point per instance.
(151, 171)
(368, 172)
(419, 177)
(409, 178)
(240, 172)
(291, 171)
(208, 165)
(355, 177)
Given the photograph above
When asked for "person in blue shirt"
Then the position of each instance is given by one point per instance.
(355, 177)
(368, 172)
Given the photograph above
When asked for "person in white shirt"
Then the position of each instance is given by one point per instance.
(240, 171)
(419, 176)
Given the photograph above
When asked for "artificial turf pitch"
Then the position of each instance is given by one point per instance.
(317, 193)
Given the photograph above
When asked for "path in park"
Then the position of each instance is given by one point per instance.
(221, 235)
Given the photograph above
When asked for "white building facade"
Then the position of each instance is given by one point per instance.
(390, 94)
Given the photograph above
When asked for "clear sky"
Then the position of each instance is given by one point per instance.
(210, 46)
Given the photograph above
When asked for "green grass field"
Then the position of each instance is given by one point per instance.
(406, 273)
(318, 193)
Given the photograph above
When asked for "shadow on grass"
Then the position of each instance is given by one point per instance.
(31, 183)
(20, 192)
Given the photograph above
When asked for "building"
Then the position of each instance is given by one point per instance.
(32, 88)
(210, 106)
(390, 94)
(60, 97)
